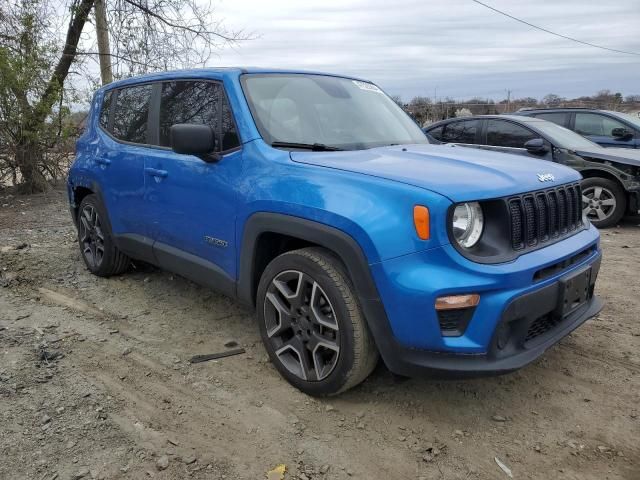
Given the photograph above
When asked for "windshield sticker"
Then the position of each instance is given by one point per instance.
(366, 86)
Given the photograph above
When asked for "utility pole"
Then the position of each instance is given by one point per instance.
(104, 51)
(435, 101)
(508, 100)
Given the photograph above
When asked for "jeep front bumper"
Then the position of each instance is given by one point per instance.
(524, 307)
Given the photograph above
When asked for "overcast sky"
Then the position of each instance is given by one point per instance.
(458, 47)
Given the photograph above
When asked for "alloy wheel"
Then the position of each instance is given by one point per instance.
(598, 203)
(301, 325)
(91, 236)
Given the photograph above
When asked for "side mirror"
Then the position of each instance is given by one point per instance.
(621, 133)
(536, 146)
(192, 139)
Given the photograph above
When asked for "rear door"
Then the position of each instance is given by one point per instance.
(120, 158)
(192, 203)
(464, 132)
(598, 128)
(559, 118)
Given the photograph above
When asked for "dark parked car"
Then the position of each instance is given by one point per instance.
(606, 128)
(611, 184)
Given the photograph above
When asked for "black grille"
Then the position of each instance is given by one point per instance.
(543, 217)
(450, 319)
(540, 326)
(454, 322)
(540, 216)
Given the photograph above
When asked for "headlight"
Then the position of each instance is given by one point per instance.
(468, 223)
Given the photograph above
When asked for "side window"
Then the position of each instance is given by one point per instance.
(557, 117)
(104, 110)
(594, 124)
(501, 133)
(436, 133)
(130, 115)
(188, 102)
(460, 132)
(202, 103)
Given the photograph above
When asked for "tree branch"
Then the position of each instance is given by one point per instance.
(119, 57)
(199, 33)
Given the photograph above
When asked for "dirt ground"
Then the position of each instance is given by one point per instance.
(95, 383)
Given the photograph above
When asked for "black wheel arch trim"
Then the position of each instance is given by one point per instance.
(95, 189)
(593, 166)
(342, 245)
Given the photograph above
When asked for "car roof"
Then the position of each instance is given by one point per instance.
(219, 72)
(514, 118)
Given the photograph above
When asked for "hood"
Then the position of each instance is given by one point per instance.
(628, 156)
(459, 173)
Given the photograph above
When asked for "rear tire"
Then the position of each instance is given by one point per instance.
(311, 323)
(603, 201)
(98, 250)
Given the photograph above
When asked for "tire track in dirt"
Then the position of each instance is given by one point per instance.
(146, 386)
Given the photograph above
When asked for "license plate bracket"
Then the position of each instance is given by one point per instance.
(575, 291)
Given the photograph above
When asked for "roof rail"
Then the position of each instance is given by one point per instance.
(557, 108)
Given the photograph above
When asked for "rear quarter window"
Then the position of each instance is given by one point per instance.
(105, 107)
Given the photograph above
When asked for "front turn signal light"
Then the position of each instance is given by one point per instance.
(455, 302)
(421, 221)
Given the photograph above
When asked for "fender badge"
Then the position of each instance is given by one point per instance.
(216, 242)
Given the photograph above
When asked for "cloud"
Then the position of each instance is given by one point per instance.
(457, 46)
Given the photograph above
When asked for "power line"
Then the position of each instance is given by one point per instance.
(554, 33)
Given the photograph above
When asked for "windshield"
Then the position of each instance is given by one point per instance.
(635, 121)
(563, 137)
(332, 112)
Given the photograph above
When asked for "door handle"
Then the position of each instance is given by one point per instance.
(103, 161)
(154, 172)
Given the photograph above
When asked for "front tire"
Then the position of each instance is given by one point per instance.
(603, 201)
(311, 323)
(99, 252)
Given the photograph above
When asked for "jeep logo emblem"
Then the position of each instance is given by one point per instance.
(546, 177)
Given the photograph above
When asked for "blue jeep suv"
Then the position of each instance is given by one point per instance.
(316, 200)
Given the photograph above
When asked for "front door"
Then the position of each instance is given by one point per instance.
(599, 129)
(192, 202)
(509, 137)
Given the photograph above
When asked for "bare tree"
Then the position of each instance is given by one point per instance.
(134, 36)
(34, 84)
(552, 100)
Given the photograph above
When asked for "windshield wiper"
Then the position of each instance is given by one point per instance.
(315, 147)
